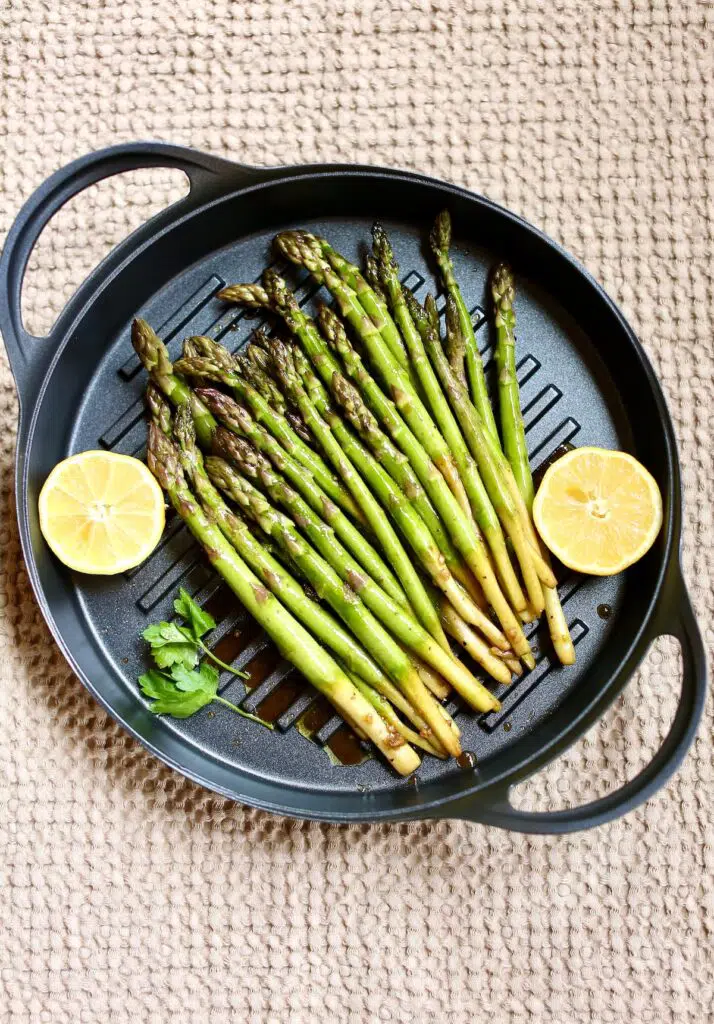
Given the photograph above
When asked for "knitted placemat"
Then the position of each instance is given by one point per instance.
(127, 893)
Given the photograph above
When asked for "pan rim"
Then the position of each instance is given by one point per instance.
(93, 287)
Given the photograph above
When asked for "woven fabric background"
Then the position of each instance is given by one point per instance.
(128, 894)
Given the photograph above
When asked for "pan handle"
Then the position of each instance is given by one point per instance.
(493, 807)
(208, 177)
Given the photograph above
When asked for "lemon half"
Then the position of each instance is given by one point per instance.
(598, 511)
(101, 513)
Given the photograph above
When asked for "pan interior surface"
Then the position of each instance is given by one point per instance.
(574, 371)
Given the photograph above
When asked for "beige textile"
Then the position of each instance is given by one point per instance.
(128, 894)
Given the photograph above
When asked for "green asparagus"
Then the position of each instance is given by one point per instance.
(455, 342)
(440, 243)
(300, 250)
(407, 310)
(156, 361)
(206, 366)
(514, 439)
(292, 640)
(371, 300)
(463, 532)
(346, 603)
(489, 459)
(238, 420)
(402, 625)
(273, 574)
(326, 435)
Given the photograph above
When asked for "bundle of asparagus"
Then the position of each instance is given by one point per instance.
(362, 458)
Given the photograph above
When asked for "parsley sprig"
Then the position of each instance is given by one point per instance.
(187, 686)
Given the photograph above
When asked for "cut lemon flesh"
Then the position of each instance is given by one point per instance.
(598, 511)
(101, 513)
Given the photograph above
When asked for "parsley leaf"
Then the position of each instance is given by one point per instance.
(168, 699)
(171, 645)
(199, 620)
(205, 678)
(186, 691)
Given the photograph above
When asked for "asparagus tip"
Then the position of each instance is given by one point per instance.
(440, 237)
(253, 295)
(158, 408)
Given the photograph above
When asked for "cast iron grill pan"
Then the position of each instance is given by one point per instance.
(584, 379)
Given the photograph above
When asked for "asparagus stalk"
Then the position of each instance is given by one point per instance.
(405, 628)
(371, 300)
(347, 604)
(283, 302)
(514, 439)
(295, 421)
(313, 616)
(156, 361)
(440, 243)
(317, 533)
(332, 438)
(260, 472)
(455, 341)
(489, 458)
(432, 680)
(410, 316)
(238, 420)
(387, 712)
(437, 565)
(250, 364)
(463, 532)
(208, 367)
(159, 409)
(292, 640)
(298, 249)
(397, 465)
(474, 645)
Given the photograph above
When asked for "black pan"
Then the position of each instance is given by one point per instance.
(585, 380)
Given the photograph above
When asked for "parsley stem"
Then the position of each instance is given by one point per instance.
(244, 714)
(222, 664)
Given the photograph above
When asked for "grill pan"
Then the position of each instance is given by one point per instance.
(585, 380)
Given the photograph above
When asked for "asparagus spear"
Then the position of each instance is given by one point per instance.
(409, 314)
(296, 422)
(238, 420)
(474, 645)
(207, 366)
(159, 409)
(490, 462)
(455, 341)
(156, 361)
(278, 297)
(318, 533)
(316, 620)
(260, 472)
(440, 243)
(434, 562)
(387, 712)
(514, 439)
(255, 375)
(371, 300)
(331, 437)
(400, 469)
(291, 639)
(346, 603)
(463, 532)
(405, 628)
(298, 249)
(372, 274)
(282, 301)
